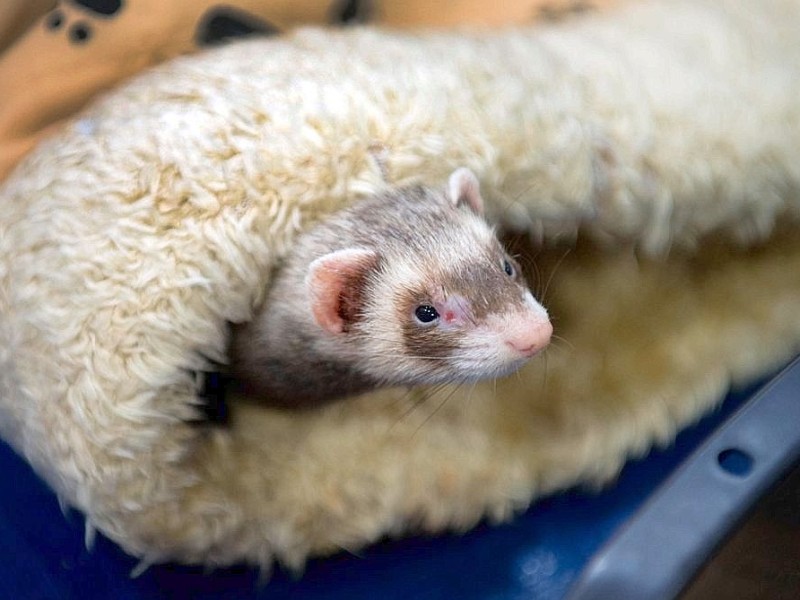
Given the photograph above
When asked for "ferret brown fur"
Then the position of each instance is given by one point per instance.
(408, 287)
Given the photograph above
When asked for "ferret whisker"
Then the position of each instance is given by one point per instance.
(433, 389)
(538, 274)
(468, 402)
(539, 282)
(553, 272)
(529, 267)
(403, 397)
(439, 388)
(546, 371)
(525, 260)
(429, 391)
(351, 551)
(563, 340)
(424, 397)
(436, 410)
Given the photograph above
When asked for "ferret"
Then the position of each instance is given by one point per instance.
(408, 287)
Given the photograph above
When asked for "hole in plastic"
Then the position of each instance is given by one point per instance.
(735, 461)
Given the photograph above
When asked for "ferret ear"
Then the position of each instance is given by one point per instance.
(463, 187)
(335, 283)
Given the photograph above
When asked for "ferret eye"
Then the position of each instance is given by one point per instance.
(425, 313)
(509, 268)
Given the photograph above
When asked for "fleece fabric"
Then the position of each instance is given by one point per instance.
(649, 154)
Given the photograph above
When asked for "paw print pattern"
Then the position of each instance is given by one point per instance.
(349, 12)
(80, 30)
(222, 23)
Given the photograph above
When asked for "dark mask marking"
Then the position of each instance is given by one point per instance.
(421, 341)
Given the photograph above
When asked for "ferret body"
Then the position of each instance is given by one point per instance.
(410, 287)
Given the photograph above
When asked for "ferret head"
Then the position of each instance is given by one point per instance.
(441, 301)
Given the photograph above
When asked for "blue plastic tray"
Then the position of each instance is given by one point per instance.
(539, 555)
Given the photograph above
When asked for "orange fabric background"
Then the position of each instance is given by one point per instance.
(45, 76)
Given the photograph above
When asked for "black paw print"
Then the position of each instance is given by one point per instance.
(349, 12)
(223, 23)
(80, 31)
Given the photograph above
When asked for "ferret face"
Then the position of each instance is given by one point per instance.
(426, 294)
(464, 316)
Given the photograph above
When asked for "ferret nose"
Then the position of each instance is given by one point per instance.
(530, 337)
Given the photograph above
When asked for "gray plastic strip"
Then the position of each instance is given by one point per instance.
(664, 544)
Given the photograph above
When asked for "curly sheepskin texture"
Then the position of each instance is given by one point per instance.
(660, 140)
